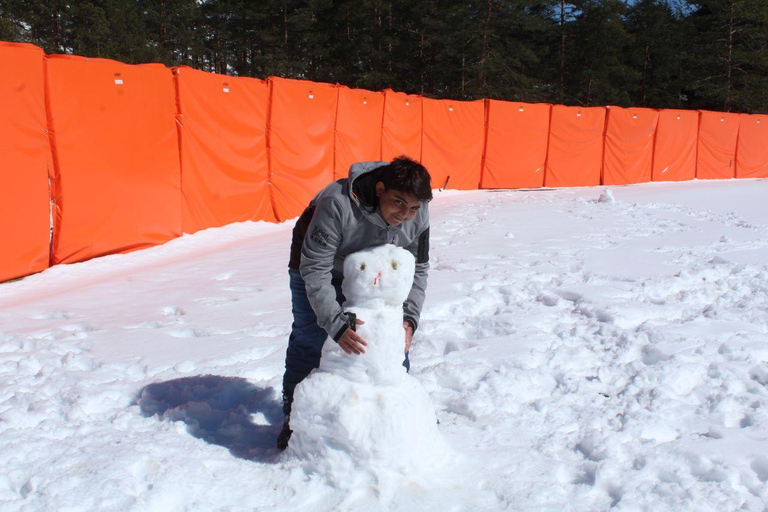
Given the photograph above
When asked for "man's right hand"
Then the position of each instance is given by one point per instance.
(351, 342)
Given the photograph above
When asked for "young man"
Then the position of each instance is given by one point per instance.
(379, 203)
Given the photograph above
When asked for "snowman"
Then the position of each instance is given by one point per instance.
(365, 411)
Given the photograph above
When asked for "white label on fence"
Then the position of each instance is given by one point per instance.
(118, 81)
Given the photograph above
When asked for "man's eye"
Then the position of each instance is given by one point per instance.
(399, 203)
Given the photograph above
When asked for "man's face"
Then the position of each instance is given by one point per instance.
(396, 207)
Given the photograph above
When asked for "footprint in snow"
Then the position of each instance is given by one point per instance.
(760, 467)
(224, 276)
(54, 315)
(193, 333)
(216, 301)
(173, 311)
(145, 325)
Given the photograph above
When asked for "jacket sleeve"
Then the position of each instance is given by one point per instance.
(420, 250)
(321, 242)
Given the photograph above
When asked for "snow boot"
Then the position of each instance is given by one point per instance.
(285, 434)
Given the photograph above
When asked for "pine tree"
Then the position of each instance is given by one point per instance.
(729, 48)
(512, 44)
(10, 28)
(44, 23)
(657, 52)
(596, 55)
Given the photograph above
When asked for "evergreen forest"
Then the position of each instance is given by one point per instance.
(693, 54)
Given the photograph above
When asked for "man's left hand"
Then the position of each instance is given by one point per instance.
(408, 335)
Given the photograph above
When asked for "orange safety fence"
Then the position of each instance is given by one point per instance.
(110, 157)
(358, 128)
(674, 155)
(301, 138)
(752, 149)
(25, 162)
(629, 145)
(516, 145)
(454, 139)
(716, 157)
(575, 156)
(117, 185)
(401, 130)
(222, 123)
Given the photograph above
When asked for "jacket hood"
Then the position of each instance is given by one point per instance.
(356, 171)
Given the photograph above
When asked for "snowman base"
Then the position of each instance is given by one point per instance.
(387, 428)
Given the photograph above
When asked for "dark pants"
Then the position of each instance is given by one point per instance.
(305, 343)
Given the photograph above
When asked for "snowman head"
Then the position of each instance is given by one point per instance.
(384, 272)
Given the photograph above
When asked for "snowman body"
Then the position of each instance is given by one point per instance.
(365, 410)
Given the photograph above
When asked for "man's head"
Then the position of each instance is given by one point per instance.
(403, 186)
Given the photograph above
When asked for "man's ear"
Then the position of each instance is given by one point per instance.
(380, 188)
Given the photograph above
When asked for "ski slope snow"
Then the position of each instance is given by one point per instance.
(583, 349)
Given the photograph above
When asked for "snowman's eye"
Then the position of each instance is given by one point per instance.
(362, 266)
(394, 265)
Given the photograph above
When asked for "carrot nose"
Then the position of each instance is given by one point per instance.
(376, 279)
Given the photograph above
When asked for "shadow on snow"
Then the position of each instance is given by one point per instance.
(226, 411)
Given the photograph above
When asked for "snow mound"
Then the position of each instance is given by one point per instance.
(606, 197)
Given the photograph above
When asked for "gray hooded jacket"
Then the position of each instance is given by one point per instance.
(341, 225)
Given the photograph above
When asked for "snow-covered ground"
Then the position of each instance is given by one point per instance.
(583, 349)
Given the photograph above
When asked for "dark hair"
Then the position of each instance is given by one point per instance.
(408, 176)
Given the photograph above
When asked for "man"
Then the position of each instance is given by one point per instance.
(379, 203)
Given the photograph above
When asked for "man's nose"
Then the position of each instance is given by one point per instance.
(376, 279)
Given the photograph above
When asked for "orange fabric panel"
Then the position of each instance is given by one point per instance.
(752, 149)
(629, 138)
(454, 139)
(301, 137)
(718, 132)
(516, 149)
(575, 156)
(117, 186)
(402, 126)
(25, 162)
(358, 128)
(674, 156)
(223, 141)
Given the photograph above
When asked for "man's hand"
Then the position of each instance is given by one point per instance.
(351, 342)
(408, 335)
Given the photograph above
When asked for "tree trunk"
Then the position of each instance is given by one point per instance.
(729, 60)
(285, 25)
(421, 61)
(55, 31)
(562, 50)
(389, 44)
(646, 62)
(485, 56)
(163, 28)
